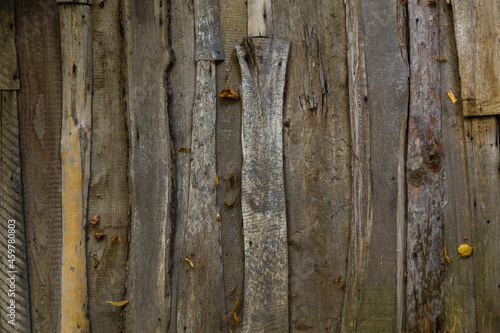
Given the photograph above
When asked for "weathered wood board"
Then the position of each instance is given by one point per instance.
(76, 64)
(482, 139)
(317, 160)
(459, 293)
(378, 82)
(200, 300)
(263, 68)
(9, 75)
(207, 28)
(150, 167)
(476, 30)
(108, 193)
(40, 111)
(260, 18)
(14, 298)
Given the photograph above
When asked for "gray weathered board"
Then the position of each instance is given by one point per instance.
(9, 75)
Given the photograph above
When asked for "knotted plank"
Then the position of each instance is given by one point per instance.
(76, 54)
(262, 190)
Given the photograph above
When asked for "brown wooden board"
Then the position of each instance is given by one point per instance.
(263, 65)
(181, 85)
(14, 298)
(150, 166)
(459, 293)
(76, 64)
(317, 158)
(108, 193)
(378, 82)
(9, 75)
(200, 299)
(229, 159)
(482, 141)
(476, 30)
(40, 110)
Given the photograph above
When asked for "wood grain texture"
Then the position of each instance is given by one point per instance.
(15, 299)
(181, 82)
(260, 18)
(207, 27)
(200, 300)
(76, 2)
(262, 189)
(425, 246)
(108, 193)
(150, 166)
(317, 160)
(230, 159)
(459, 291)
(76, 57)
(378, 85)
(9, 75)
(482, 139)
(476, 30)
(40, 111)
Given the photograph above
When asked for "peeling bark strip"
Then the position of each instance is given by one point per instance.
(201, 304)
(425, 256)
(208, 41)
(76, 50)
(9, 76)
(150, 166)
(13, 266)
(109, 195)
(260, 18)
(477, 28)
(378, 85)
(263, 68)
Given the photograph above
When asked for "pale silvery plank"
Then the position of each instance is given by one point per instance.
(262, 193)
(207, 27)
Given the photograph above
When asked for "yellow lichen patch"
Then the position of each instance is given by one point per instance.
(451, 97)
(121, 303)
(465, 250)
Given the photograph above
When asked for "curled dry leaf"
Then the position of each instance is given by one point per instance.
(116, 239)
(446, 256)
(229, 94)
(95, 219)
(121, 303)
(465, 250)
(100, 235)
(338, 279)
(218, 217)
(216, 182)
(190, 262)
(182, 148)
(236, 317)
(451, 97)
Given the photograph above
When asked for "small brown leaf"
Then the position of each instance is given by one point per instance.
(465, 237)
(95, 219)
(338, 279)
(116, 239)
(100, 235)
(229, 94)
(190, 262)
(121, 303)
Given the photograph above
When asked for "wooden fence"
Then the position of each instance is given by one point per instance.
(249, 166)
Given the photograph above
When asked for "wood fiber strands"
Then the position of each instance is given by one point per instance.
(378, 86)
(150, 166)
(76, 52)
(476, 29)
(425, 247)
(263, 64)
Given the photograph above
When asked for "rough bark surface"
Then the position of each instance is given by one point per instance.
(39, 47)
(108, 194)
(476, 30)
(263, 67)
(9, 75)
(150, 166)
(378, 85)
(76, 56)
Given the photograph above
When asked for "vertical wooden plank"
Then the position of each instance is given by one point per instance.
(207, 28)
(425, 246)
(482, 138)
(262, 191)
(150, 166)
(459, 291)
(108, 193)
(40, 111)
(14, 298)
(378, 85)
(317, 160)
(229, 159)
(476, 30)
(9, 76)
(200, 300)
(181, 84)
(76, 56)
(260, 18)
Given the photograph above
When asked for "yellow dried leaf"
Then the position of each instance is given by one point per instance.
(451, 97)
(116, 239)
(446, 256)
(465, 250)
(190, 262)
(216, 182)
(236, 317)
(122, 303)
(229, 93)
(218, 217)
(182, 148)
(338, 279)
